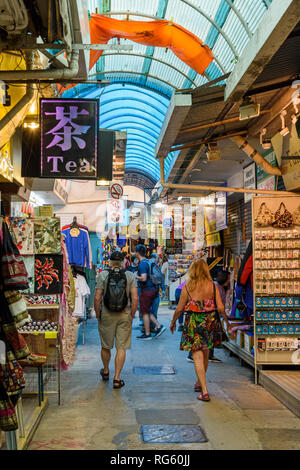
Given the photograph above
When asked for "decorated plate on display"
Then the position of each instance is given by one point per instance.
(29, 265)
(23, 232)
(47, 236)
(48, 274)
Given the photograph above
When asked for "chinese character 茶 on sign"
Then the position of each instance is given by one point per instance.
(69, 138)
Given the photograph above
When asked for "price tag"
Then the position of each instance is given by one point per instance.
(50, 334)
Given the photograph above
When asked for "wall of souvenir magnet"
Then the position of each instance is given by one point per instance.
(276, 255)
(39, 242)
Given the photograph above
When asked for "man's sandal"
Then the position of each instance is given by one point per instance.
(118, 384)
(104, 376)
(197, 388)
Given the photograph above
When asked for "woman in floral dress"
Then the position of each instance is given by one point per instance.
(201, 302)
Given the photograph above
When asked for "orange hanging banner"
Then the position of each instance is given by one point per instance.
(158, 33)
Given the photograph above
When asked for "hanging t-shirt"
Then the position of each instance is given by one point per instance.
(79, 247)
(82, 291)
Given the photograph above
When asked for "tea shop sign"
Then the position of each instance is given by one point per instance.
(69, 138)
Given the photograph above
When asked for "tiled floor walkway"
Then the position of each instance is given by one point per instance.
(240, 415)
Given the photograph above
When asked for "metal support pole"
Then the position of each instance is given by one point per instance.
(19, 411)
(11, 440)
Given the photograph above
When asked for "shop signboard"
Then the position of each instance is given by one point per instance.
(263, 179)
(174, 247)
(116, 190)
(211, 234)
(221, 210)
(69, 138)
(288, 147)
(114, 211)
(249, 180)
(6, 168)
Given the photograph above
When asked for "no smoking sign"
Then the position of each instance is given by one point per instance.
(116, 190)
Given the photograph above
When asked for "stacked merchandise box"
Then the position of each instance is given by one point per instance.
(178, 265)
(276, 278)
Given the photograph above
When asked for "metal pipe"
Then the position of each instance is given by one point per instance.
(189, 187)
(255, 156)
(216, 123)
(23, 101)
(206, 141)
(69, 72)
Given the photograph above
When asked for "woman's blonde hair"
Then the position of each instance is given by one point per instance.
(198, 272)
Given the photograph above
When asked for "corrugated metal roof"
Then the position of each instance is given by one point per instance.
(150, 75)
(201, 17)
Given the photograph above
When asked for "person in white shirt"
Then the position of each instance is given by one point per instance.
(165, 272)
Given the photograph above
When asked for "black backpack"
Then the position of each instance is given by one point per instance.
(156, 275)
(115, 298)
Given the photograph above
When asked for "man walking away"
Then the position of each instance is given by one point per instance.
(158, 280)
(148, 293)
(116, 302)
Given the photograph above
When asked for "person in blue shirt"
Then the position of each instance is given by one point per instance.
(154, 258)
(147, 295)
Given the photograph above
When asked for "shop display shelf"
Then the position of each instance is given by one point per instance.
(241, 353)
(42, 306)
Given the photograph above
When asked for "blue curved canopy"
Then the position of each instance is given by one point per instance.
(139, 112)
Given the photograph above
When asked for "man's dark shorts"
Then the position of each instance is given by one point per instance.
(147, 297)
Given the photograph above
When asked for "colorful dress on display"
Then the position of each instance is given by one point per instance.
(202, 328)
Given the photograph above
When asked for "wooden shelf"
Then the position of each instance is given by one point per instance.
(42, 306)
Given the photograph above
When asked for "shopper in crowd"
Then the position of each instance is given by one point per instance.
(165, 271)
(156, 270)
(116, 302)
(202, 304)
(148, 293)
(177, 298)
(222, 282)
(133, 266)
(126, 261)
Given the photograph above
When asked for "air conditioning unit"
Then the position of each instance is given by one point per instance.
(248, 109)
(213, 152)
(13, 17)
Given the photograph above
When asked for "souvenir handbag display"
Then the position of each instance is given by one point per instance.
(8, 417)
(283, 218)
(265, 216)
(13, 271)
(296, 216)
(12, 377)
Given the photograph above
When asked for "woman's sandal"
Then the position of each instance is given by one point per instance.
(197, 388)
(203, 397)
(118, 384)
(105, 377)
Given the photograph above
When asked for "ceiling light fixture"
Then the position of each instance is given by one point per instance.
(102, 183)
(248, 109)
(284, 129)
